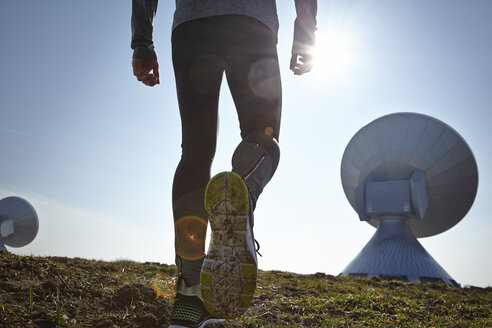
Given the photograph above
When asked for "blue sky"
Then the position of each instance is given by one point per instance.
(95, 151)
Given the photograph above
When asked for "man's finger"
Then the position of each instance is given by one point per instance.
(156, 74)
(151, 83)
(301, 69)
(150, 80)
(140, 72)
(141, 77)
(293, 61)
(148, 77)
(305, 58)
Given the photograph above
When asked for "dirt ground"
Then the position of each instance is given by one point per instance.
(73, 292)
(63, 292)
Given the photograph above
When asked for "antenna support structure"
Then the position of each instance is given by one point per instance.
(410, 176)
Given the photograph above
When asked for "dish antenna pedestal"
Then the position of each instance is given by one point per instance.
(411, 176)
(18, 222)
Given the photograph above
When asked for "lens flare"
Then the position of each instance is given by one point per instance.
(269, 130)
(335, 54)
(190, 237)
(264, 79)
(164, 286)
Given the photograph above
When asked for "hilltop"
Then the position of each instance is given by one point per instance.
(73, 292)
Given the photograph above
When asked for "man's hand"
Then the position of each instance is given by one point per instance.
(301, 62)
(142, 70)
(302, 59)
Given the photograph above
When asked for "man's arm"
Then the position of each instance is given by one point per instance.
(144, 56)
(304, 39)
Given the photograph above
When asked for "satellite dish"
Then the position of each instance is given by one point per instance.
(18, 222)
(393, 146)
(410, 175)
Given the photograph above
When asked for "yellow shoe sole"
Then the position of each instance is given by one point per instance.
(229, 271)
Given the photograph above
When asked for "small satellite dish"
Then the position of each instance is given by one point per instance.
(410, 175)
(18, 222)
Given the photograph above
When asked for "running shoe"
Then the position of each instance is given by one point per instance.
(230, 269)
(189, 312)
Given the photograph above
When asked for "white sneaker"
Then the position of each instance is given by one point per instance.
(230, 269)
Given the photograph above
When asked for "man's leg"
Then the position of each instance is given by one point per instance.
(198, 77)
(229, 272)
(198, 74)
(253, 76)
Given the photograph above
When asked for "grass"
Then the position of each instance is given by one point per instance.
(62, 292)
(326, 301)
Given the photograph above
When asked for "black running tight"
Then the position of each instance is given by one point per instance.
(202, 50)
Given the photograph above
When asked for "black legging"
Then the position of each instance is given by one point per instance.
(202, 50)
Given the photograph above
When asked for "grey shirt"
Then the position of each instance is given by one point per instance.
(143, 14)
(263, 10)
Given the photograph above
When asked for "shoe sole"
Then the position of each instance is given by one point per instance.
(229, 271)
(202, 325)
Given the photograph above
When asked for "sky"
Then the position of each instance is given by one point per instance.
(94, 151)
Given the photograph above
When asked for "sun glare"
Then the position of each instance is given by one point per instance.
(334, 55)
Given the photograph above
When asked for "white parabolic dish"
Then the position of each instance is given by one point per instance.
(393, 146)
(24, 219)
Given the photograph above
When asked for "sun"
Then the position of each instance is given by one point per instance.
(334, 54)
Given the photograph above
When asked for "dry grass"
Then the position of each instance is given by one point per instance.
(64, 292)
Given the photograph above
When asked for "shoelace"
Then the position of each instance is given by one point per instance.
(257, 248)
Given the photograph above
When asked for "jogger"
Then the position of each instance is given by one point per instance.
(203, 50)
(210, 39)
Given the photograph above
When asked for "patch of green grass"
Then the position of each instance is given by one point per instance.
(327, 301)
